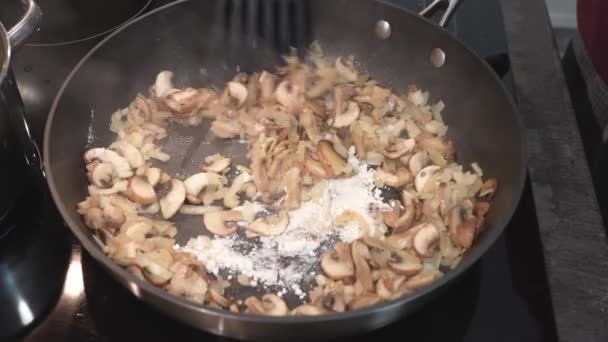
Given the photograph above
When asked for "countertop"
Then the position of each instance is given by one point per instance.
(572, 230)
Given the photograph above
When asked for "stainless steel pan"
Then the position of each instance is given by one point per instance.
(199, 41)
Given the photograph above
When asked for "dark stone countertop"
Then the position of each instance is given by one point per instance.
(572, 231)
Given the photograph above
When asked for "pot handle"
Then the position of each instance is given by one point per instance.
(450, 8)
(26, 25)
(9, 93)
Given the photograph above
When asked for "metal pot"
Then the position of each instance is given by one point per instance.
(19, 157)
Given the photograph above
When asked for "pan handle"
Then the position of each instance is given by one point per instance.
(19, 33)
(450, 8)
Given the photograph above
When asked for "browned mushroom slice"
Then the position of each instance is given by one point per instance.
(390, 217)
(93, 218)
(308, 310)
(155, 266)
(231, 199)
(461, 230)
(309, 122)
(293, 188)
(402, 262)
(331, 301)
(173, 200)
(405, 221)
(270, 225)
(314, 167)
(334, 163)
(386, 288)
(195, 183)
(358, 137)
(114, 216)
(360, 253)
(403, 240)
(287, 95)
(426, 240)
(188, 283)
(140, 191)
(271, 305)
(417, 162)
(488, 189)
(364, 301)
(101, 175)
(399, 148)
(218, 299)
(338, 263)
(222, 223)
(421, 280)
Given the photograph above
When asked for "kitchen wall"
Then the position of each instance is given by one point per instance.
(562, 13)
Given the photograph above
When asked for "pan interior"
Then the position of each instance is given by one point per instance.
(201, 42)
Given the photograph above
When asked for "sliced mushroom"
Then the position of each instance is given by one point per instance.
(426, 240)
(334, 163)
(185, 282)
(195, 183)
(347, 117)
(293, 188)
(173, 200)
(346, 69)
(421, 280)
(462, 231)
(364, 301)
(113, 216)
(390, 217)
(488, 188)
(197, 209)
(225, 129)
(271, 305)
(218, 299)
(359, 253)
(314, 167)
(424, 175)
(332, 301)
(231, 199)
(405, 221)
(101, 175)
(130, 152)
(418, 161)
(358, 137)
(387, 288)
(309, 122)
(270, 225)
(404, 263)
(153, 175)
(222, 223)
(155, 270)
(237, 91)
(116, 188)
(219, 164)
(308, 310)
(338, 263)
(140, 191)
(121, 165)
(186, 101)
(399, 148)
(163, 83)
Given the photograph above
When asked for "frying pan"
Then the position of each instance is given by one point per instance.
(205, 42)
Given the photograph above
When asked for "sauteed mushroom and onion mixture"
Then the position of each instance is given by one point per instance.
(352, 195)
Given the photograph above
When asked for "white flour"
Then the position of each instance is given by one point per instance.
(290, 259)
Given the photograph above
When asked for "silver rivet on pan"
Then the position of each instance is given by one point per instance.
(437, 57)
(383, 29)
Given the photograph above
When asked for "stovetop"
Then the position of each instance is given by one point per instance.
(52, 290)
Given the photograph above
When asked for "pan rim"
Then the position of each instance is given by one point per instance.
(137, 286)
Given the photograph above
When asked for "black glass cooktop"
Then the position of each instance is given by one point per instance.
(51, 290)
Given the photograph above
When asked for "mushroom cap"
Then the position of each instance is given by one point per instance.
(270, 225)
(222, 223)
(173, 200)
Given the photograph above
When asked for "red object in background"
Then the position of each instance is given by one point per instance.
(592, 17)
